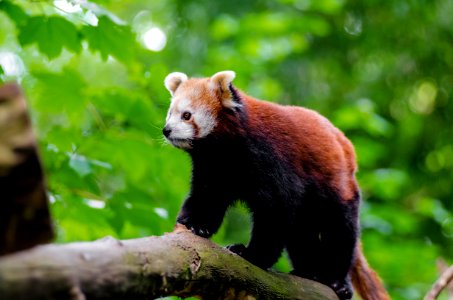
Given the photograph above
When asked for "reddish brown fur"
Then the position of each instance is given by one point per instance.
(200, 95)
(325, 152)
(365, 281)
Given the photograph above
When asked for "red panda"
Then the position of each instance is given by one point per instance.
(288, 164)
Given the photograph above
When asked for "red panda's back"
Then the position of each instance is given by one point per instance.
(315, 146)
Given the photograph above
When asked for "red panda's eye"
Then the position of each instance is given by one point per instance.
(186, 116)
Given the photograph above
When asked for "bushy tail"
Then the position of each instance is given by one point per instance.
(365, 281)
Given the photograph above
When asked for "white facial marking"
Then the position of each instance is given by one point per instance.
(183, 105)
(184, 132)
(205, 121)
(180, 129)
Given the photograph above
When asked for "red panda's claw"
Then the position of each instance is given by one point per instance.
(342, 289)
(200, 231)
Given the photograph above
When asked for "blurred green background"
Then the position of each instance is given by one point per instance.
(380, 70)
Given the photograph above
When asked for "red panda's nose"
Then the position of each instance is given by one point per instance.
(166, 131)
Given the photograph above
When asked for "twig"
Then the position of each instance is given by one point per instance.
(440, 284)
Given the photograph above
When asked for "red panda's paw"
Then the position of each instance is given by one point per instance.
(200, 231)
(342, 289)
(196, 228)
(239, 249)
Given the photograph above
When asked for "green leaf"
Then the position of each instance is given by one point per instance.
(124, 108)
(80, 164)
(60, 91)
(110, 38)
(14, 12)
(51, 34)
(61, 95)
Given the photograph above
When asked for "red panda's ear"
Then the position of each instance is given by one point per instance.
(221, 81)
(173, 80)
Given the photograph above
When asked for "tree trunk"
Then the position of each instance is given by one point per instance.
(24, 215)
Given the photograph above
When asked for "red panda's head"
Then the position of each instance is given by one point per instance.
(195, 106)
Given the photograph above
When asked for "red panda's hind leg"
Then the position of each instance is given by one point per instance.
(322, 248)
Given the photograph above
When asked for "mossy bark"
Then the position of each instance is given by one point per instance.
(178, 263)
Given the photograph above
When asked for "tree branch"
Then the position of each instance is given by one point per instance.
(178, 263)
(442, 266)
(445, 278)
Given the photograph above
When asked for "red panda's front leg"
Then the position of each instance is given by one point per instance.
(211, 193)
(205, 207)
(203, 220)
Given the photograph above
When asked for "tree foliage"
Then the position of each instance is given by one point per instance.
(378, 70)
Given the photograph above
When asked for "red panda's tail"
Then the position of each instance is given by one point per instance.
(365, 281)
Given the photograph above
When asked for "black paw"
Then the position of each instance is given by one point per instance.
(196, 228)
(342, 289)
(203, 232)
(239, 249)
